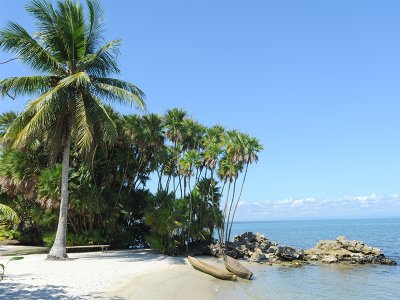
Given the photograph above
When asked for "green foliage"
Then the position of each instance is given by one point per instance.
(165, 217)
(168, 219)
(74, 63)
(109, 202)
(7, 214)
(9, 234)
(3, 267)
(49, 185)
(94, 238)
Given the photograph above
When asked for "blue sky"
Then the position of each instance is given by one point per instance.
(318, 82)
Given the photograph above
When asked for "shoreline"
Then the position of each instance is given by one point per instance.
(144, 274)
(124, 274)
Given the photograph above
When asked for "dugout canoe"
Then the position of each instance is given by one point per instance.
(232, 265)
(211, 270)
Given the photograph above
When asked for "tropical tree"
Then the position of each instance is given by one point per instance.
(67, 50)
(248, 153)
(6, 120)
(8, 214)
(174, 125)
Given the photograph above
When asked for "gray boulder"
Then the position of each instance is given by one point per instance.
(355, 252)
(289, 253)
(258, 256)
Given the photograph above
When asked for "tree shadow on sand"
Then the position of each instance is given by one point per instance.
(11, 291)
(131, 256)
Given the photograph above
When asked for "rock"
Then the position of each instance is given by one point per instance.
(273, 259)
(329, 259)
(296, 264)
(215, 250)
(355, 252)
(265, 245)
(387, 261)
(248, 236)
(258, 257)
(272, 249)
(314, 257)
(376, 251)
(259, 248)
(289, 253)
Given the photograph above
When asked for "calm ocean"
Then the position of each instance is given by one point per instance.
(320, 281)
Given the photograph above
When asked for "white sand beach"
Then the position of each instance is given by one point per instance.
(134, 274)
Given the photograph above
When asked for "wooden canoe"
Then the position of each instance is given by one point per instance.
(232, 265)
(211, 270)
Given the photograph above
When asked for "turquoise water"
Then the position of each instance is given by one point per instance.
(320, 281)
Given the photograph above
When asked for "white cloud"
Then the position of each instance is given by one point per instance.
(364, 206)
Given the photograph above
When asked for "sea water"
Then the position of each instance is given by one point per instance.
(321, 281)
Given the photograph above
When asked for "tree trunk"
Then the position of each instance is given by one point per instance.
(229, 214)
(237, 203)
(58, 250)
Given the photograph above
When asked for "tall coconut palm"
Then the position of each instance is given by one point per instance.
(174, 125)
(228, 172)
(149, 140)
(75, 69)
(186, 166)
(249, 150)
(213, 149)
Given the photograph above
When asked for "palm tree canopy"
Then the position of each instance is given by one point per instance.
(173, 122)
(74, 68)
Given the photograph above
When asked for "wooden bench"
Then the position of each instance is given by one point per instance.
(104, 248)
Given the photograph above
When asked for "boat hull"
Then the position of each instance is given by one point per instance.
(232, 265)
(211, 270)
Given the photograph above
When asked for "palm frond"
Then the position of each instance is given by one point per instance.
(92, 123)
(96, 21)
(15, 39)
(70, 23)
(48, 32)
(39, 115)
(84, 127)
(118, 90)
(77, 80)
(8, 214)
(27, 85)
(102, 62)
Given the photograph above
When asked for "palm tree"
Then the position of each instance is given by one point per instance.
(228, 172)
(8, 214)
(67, 50)
(149, 141)
(249, 149)
(174, 125)
(213, 149)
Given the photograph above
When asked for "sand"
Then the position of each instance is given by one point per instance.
(134, 274)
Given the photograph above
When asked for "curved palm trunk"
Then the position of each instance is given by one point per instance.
(229, 214)
(212, 201)
(236, 206)
(190, 218)
(58, 250)
(224, 215)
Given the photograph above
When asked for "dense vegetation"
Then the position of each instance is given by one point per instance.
(110, 199)
(69, 163)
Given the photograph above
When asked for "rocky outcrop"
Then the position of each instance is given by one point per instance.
(343, 250)
(258, 248)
